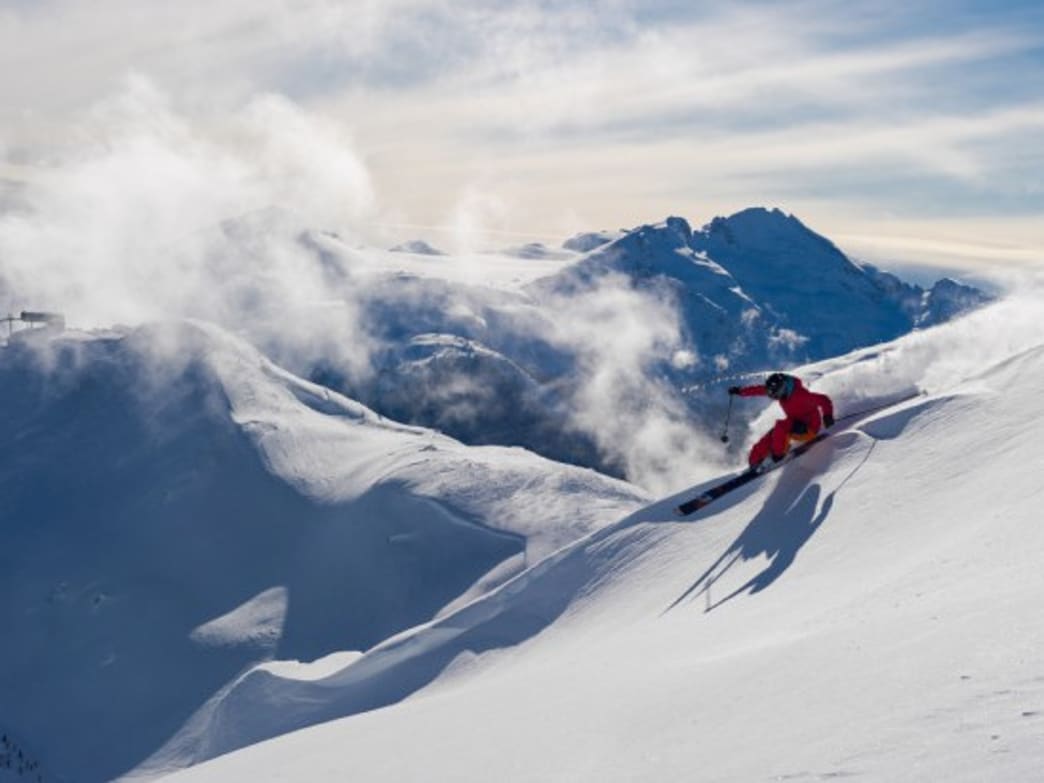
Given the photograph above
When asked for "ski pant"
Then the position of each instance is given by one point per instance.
(778, 440)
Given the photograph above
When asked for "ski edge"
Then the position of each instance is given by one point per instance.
(708, 496)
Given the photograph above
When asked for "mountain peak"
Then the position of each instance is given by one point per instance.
(679, 226)
(538, 251)
(760, 228)
(654, 239)
(760, 261)
(588, 241)
(417, 247)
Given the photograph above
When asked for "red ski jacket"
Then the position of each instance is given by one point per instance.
(800, 405)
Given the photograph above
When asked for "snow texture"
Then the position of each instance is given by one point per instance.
(178, 509)
(205, 551)
(870, 610)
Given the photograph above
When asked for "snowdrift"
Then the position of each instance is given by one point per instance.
(177, 509)
(871, 610)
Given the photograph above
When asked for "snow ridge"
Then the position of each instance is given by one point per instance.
(835, 610)
(216, 512)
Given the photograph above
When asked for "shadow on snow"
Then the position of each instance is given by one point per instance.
(789, 518)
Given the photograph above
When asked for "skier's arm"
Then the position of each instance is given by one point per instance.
(751, 391)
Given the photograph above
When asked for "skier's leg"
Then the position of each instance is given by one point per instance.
(760, 450)
(779, 438)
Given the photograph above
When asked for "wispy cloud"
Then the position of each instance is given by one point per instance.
(570, 115)
(137, 224)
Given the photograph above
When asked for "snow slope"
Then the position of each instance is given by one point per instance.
(177, 509)
(869, 611)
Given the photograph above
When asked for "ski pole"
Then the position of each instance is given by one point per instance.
(725, 429)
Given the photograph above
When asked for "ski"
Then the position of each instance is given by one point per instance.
(710, 495)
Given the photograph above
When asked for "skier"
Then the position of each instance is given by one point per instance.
(806, 414)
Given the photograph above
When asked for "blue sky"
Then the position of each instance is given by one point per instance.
(905, 131)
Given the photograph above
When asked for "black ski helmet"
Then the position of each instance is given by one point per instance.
(779, 385)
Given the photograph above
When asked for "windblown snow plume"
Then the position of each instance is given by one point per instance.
(637, 419)
(932, 360)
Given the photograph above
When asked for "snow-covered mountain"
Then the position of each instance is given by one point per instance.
(177, 508)
(589, 240)
(871, 610)
(760, 289)
(204, 550)
(945, 300)
(417, 247)
(538, 250)
(490, 364)
(598, 354)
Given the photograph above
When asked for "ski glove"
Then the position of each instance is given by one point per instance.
(828, 421)
(734, 390)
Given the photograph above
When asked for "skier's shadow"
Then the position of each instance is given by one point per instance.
(786, 522)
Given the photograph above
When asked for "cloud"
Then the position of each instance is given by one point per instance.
(152, 218)
(578, 116)
(481, 117)
(717, 111)
(957, 244)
